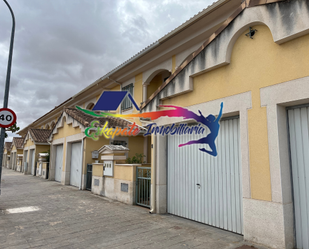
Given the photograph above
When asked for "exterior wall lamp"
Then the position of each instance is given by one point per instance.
(251, 33)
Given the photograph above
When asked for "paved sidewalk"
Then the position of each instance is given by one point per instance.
(69, 218)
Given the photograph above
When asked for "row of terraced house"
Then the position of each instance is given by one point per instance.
(252, 56)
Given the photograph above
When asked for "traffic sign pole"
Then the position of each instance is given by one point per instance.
(7, 87)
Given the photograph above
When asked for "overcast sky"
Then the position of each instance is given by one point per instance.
(62, 46)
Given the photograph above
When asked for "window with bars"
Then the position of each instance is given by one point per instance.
(127, 104)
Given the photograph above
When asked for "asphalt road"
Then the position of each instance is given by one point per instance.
(36, 213)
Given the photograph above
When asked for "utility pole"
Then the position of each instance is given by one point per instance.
(7, 87)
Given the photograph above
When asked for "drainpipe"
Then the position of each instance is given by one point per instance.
(82, 156)
(153, 174)
(120, 89)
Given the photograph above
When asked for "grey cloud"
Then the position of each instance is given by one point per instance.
(63, 46)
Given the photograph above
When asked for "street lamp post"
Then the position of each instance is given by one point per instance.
(7, 87)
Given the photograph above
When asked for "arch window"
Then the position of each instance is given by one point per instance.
(126, 103)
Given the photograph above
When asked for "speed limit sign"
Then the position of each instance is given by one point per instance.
(7, 117)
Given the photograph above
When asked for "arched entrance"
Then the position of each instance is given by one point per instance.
(154, 81)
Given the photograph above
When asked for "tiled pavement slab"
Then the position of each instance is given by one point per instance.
(70, 218)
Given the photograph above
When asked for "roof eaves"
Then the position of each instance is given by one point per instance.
(245, 4)
(152, 46)
(195, 18)
(15, 142)
(55, 127)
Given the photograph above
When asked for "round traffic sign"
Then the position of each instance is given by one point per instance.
(7, 117)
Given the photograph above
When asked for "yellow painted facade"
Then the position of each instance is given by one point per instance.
(6, 152)
(97, 170)
(41, 149)
(136, 145)
(63, 132)
(126, 173)
(154, 84)
(116, 88)
(28, 143)
(18, 151)
(138, 89)
(255, 63)
(37, 149)
(89, 146)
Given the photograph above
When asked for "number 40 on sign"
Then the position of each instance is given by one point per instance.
(7, 117)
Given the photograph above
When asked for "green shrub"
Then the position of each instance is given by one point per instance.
(137, 159)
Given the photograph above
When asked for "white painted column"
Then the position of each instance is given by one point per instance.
(145, 149)
(145, 92)
(52, 163)
(161, 164)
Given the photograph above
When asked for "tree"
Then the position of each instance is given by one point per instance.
(12, 129)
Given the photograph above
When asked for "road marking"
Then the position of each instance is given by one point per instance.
(22, 210)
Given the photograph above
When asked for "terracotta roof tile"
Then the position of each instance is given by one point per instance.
(86, 119)
(7, 145)
(39, 135)
(18, 142)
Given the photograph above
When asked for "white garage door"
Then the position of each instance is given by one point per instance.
(59, 162)
(32, 161)
(299, 147)
(75, 175)
(204, 188)
(25, 161)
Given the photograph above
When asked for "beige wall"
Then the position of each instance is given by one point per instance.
(6, 152)
(124, 172)
(154, 84)
(40, 149)
(97, 170)
(136, 145)
(63, 132)
(28, 143)
(91, 145)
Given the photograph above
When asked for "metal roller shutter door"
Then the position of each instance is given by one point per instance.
(59, 162)
(32, 159)
(217, 200)
(299, 147)
(75, 177)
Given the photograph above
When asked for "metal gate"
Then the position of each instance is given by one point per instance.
(47, 170)
(89, 176)
(204, 188)
(143, 186)
(299, 149)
